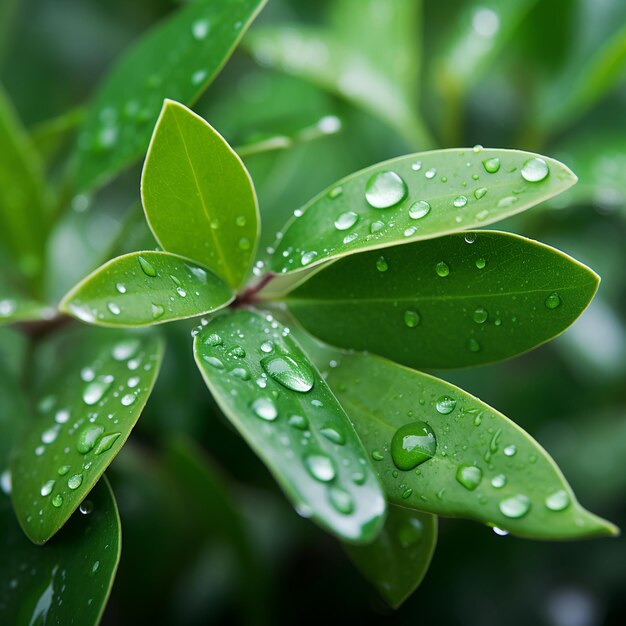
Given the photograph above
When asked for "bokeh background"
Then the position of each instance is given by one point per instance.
(540, 75)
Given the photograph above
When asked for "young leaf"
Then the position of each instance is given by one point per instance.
(23, 221)
(69, 580)
(144, 288)
(398, 559)
(469, 460)
(268, 389)
(457, 301)
(414, 197)
(177, 59)
(91, 408)
(198, 196)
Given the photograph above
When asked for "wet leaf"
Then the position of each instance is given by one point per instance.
(85, 417)
(198, 196)
(457, 301)
(145, 288)
(419, 196)
(271, 393)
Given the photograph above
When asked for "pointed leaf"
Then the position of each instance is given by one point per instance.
(484, 467)
(198, 196)
(426, 195)
(144, 288)
(69, 580)
(456, 301)
(398, 559)
(85, 419)
(268, 389)
(177, 59)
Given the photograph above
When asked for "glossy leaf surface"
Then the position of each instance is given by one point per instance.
(457, 301)
(84, 420)
(144, 288)
(177, 59)
(68, 581)
(415, 197)
(282, 407)
(198, 196)
(484, 466)
(398, 559)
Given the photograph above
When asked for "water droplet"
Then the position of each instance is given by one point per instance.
(499, 531)
(88, 438)
(86, 507)
(290, 373)
(125, 349)
(460, 201)
(410, 533)
(491, 165)
(265, 409)
(558, 501)
(95, 390)
(553, 301)
(128, 399)
(510, 450)
(431, 173)
(480, 192)
(267, 347)
(120, 288)
(200, 29)
(351, 237)
(198, 77)
(308, 257)
(442, 269)
(419, 209)
(413, 444)
(240, 372)
(238, 352)
(377, 455)
(498, 481)
(515, 506)
(411, 318)
(480, 315)
(341, 500)
(75, 481)
(321, 467)
(213, 361)
(146, 267)
(114, 308)
(157, 311)
(381, 264)
(47, 487)
(407, 493)
(473, 345)
(535, 170)
(409, 232)
(64, 469)
(346, 220)
(416, 166)
(332, 434)
(106, 443)
(57, 501)
(385, 189)
(469, 476)
(5, 482)
(335, 192)
(481, 263)
(298, 421)
(50, 434)
(376, 226)
(445, 405)
(214, 340)
(470, 238)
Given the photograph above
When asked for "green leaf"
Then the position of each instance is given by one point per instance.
(144, 288)
(484, 466)
(86, 417)
(23, 220)
(198, 196)
(268, 389)
(321, 57)
(398, 559)
(177, 59)
(19, 308)
(69, 580)
(457, 301)
(421, 196)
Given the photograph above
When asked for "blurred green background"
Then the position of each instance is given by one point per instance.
(540, 75)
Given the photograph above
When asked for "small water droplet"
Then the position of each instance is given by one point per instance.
(413, 444)
(416, 166)
(75, 481)
(292, 374)
(125, 349)
(298, 421)
(86, 508)
(240, 372)
(213, 340)
(341, 500)
(332, 434)
(469, 476)
(473, 345)
(491, 165)
(88, 438)
(114, 308)
(200, 29)
(238, 352)
(265, 409)
(377, 455)
(308, 257)
(47, 487)
(320, 466)
(157, 311)
(351, 237)
(198, 77)
(510, 450)
(120, 288)
(346, 220)
(411, 318)
(57, 501)
(460, 201)
(470, 238)
(407, 493)
(535, 170)
(480, 192)
(63, 470)
(481, 263)
(146, 267)
(267, 347)
(430, 173)
(376, 226)
(335, 192)
(106, 443)
(419, 209)
(213, 361)
(385, 189)
(558, 501)
(95, 390)
(445, 405)
(515, 507)
(553, 301)
(381, 264)
(480, 315)
(498, 481)
(442, 269)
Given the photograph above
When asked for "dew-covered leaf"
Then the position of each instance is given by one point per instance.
(144, 288)
(84, 418)
(457, 301)
(271, 393)
(67, 581)
(398, 559)
(438, 449)
(177, 59)
(419, 196)
(23, 219)
(198, 196)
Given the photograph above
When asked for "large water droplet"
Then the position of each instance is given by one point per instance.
(295, 375)
(442, 269)
(491, 165)
(47, 487)
(445, 405)
(125, 349)
(385, 189)
(419, 209)
(411, 318)
(346, 220)
(147, 267)
(553, 301)
(515, 506)
(265, 409)
(469, 476)
(321, 467)
(535, 170)
(75, 481)
(88, 437)
(413, 444)
(480, 315)
(341, 500)
(95, 390)
(558, 501)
